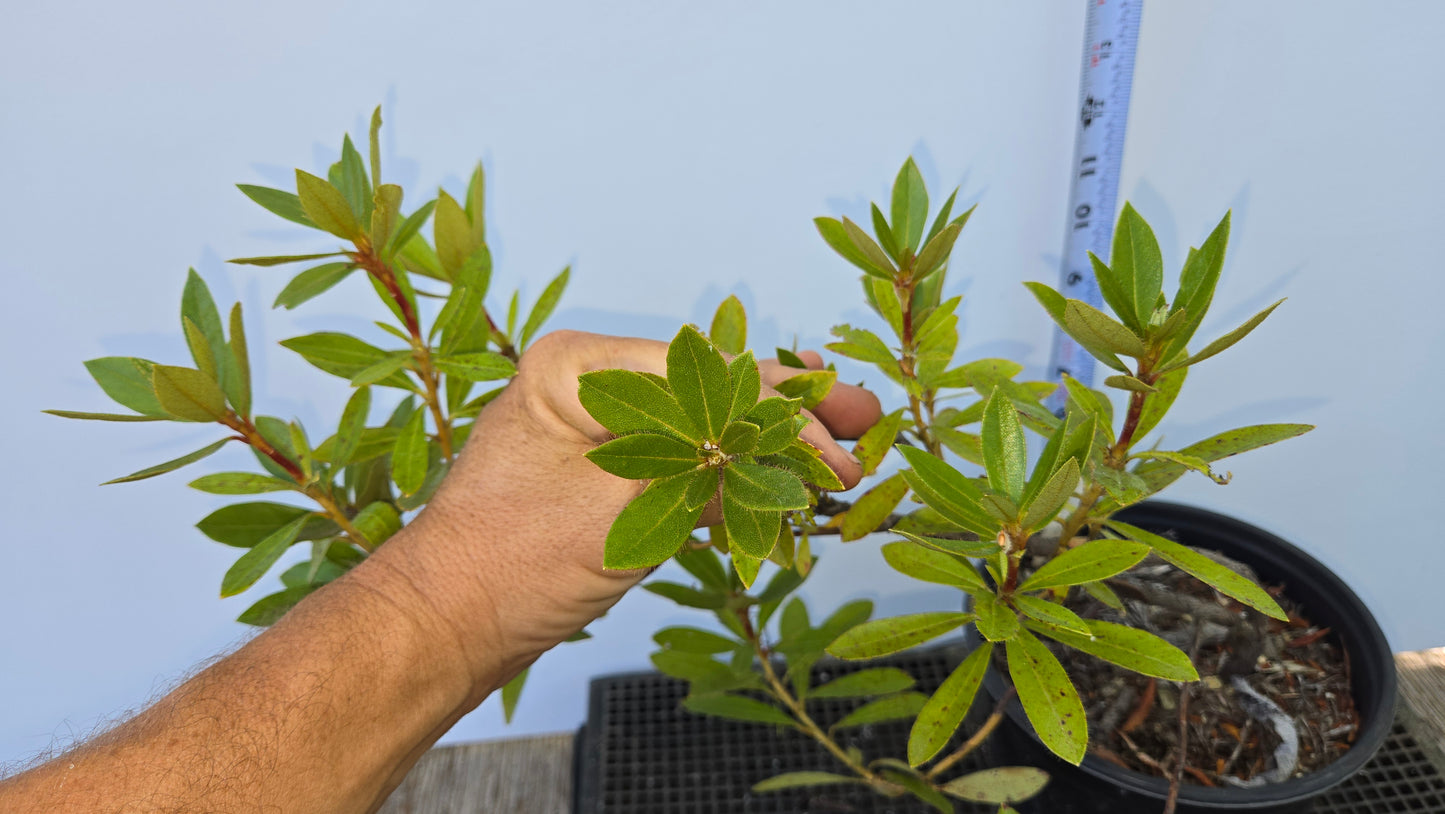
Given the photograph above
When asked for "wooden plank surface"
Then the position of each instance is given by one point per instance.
(518, 776)
(534, 775)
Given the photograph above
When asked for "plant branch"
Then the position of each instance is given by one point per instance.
(975, 740)
(420, 348)
(323, 498)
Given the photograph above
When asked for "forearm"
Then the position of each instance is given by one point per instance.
(325, 712)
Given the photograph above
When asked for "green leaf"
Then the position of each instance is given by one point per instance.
(246, 524)
(812, 387)
(343, 355)
(762, 488)
(199, 307)
(948, 492)
(739, 437)
(1048, 697)
(941, 220)
(1130, 384)
(884, 299)
(1007, 784)
(353, 424)
(1128, 647)
(374, 141)
(545, 305)
(836, 236)
(1137, 266)
(1095, 560)
(512, 693)
(240, 483)
(312, 282)
(909, 206)
(625, 401)
(127, 380)
(746, 566)
(278, 202)
(729, 331)
(1192, 462)
(865, 346)
(476, 367)
(792, 780)
(687, 597)
(1052, 613)
(188, 395)
(753, 531)
(349, 176)
(239, 384)
(936, 252)
(704, 564)
(200, 349)
(1166, 390)
(889, 708)
(385, 213)
(1004, 452)
(326, 207)
(996, 621)
(944, 712)
(747, 384)
(259, 558)
(377, 522)
(774, 417)
(1096, 330)
(803, 460)
(702, 671)
(452, 230)
(268, 610)
(103, 416)
(882, 637)
(1104, 594)
(1197, 282)
(693, 640)
(372, 443)
(737, 708)
(280, 260)
(877, 260)
(1224, 341)
(644, 456)
(698, 378)
(383, 369)
(409, 456)
(873, 446)
(652, 527)
(960, 548)
(1092, 403)
(873, 507)
(1045, 507)
(878, 681)
(933, 566)
(1158, 474)
(1204, 569)
(409, 228)
(172, 465)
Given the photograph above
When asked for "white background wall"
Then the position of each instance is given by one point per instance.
(675, 153)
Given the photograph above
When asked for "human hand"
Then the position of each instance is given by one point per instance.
(508, 554)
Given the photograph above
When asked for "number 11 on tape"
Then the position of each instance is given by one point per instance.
(1111, 37)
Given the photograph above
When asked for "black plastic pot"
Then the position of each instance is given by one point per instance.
(1098, 785)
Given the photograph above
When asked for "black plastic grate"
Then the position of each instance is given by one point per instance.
(641, 753)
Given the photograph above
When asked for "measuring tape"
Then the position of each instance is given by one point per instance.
(1111, 36)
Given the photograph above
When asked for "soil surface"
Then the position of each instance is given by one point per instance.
(1273, 702)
